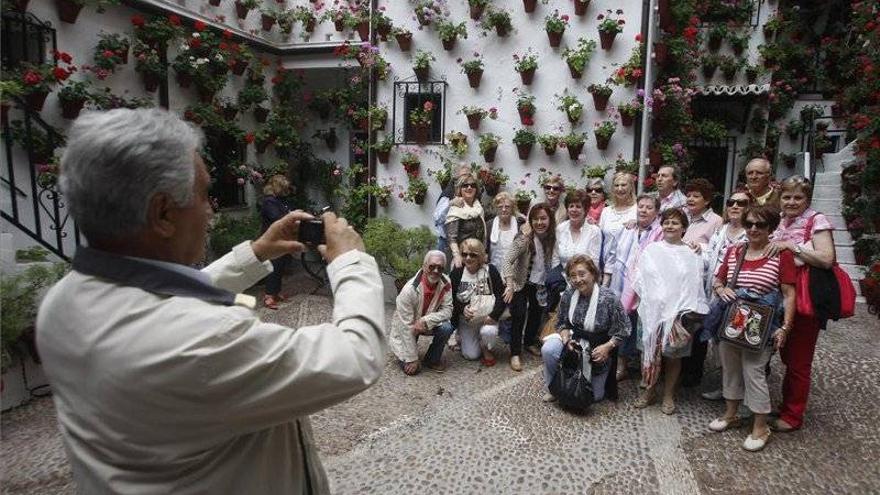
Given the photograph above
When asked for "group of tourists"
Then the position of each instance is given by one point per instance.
(632, 280)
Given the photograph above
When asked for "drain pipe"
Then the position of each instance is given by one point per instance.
(645, 136)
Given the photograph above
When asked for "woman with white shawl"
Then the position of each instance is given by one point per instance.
(668, 282)
(465, 217)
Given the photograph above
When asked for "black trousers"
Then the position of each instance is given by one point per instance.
(692, 366)
(273, 280)
(525, 314)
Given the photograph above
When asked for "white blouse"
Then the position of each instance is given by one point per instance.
(612, 221)
(589, 243)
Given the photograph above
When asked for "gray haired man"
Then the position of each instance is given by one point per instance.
(164, 379)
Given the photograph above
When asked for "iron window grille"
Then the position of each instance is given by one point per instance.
(715, 16)
(25, 38)
(410, 95)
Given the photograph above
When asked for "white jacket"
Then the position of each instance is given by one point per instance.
(409, 308)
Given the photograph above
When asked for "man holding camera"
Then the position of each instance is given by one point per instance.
(164, 380)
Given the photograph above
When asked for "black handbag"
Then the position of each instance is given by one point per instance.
(571, 388)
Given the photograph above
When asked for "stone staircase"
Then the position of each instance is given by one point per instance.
(827, 196)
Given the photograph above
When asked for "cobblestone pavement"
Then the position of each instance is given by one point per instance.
(485, 430)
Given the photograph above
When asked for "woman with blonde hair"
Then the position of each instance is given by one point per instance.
(272, 208)
(465, 216)
(621, 212)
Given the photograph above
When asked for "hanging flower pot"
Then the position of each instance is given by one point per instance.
(661, 54)
(239, 66)
(474, 121)
(602, 141)
(529, 5)
(363, 29)
(715, 42)
(477, 11)
(384, 30)
(412, 168)
(229, 113)
(68, 10)
(574, 151)
(709, 70)
(523, 205)
(580, 6)
(575, 72)
(527, 76)
(261, 145)
(524, 150)
(474, 77)
(627, 120)
(383, 156)
(420, 134)
(215, 3)
(526, 116)
(339, 25)
(419, 198)
(501, 30)
(655, 157)
(555, 38)
(151, 82)
(404, 41)
(491, 188)
(310, 25)
(606, 39)
(751, 75)
(205, 95)
(383, 202)
(267, 22)
(70, 108)
(363, 124)
(261, 114)
(489, 154)
(449, 44)
(35, 100)
(4, 110)
(664, 11)
(600, 101)
(550, 149)
(421, 73)
(241, 10)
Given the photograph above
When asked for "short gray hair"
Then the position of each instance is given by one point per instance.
(116, 161)
(434, 252)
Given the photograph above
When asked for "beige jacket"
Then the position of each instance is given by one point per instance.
(409, 306)
(159, 394)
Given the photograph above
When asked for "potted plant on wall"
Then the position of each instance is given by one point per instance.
(601, 93)
(603, 132)
(382, 147)
(477, 7)
(328, 136)
(524, 139)
(578, 57)
(72, 97)
(149, 65)
(443, 175)
(526, 64)
(574, 143)
(111, 50)
(555, 25)
(244, 7)
(306, 17)
(473, 69)
(449, 33)
(499, 20)
(549, 142)
(404, 38)
(422, 64)
(458, 143)
(476, 114)
(411, 163)
(752, 72)
(710, 63)
(492, 179)
(571, 106)
(339, 16)
(421, 119)
(610, 24)
(68, 10)
(738, 42)
(382, 23)
(629, 111)
(37, 81)
(416, 191)
(488, 146)
(715, 36)
(580, 6)
(525, 105)
(268, 18)
(729, 67)
(523, 198)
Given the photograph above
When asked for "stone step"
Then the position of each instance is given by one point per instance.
(844, 254)
(842, 237)
(827, 206)
(837, 221)
(825, 191)
(828, 179)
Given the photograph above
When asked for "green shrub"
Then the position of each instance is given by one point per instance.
(398, 251)
(228, 231)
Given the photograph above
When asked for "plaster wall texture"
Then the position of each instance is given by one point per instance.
(497, 90)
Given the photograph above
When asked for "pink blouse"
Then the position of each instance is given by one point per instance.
(794, 230)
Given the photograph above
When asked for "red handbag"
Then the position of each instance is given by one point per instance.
(846, 291)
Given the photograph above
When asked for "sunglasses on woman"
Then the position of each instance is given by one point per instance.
(742, 203)
(469, 255)
(468, 185)
(596, 190)
(761, 225)
(553, 188)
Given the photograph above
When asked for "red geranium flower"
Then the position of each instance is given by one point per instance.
(60, 74)
(108, 53)
(63, 56)
(199, 26)
(32, 78)
(195, 42)
(138, 20)
(249, 138)
(227, 34)
(174, 19)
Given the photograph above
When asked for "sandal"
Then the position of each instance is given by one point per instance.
(781, 426)
(724, 424)
(647, 398)
(753, 444)
(488, 361)
(668, 407)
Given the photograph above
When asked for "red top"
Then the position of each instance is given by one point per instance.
(762, 275)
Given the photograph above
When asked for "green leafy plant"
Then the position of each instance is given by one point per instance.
(604, 129)
(600, 89)
(227, 231)
(594, 172)
(524, 137)
(75, 91)
(711, 130)
(525, 62)
(497, 19)
(448, 30)
(458, 142)
(473, 65)
(571, 106)
(488, 141)
(611, 21)
(555, 23)
(423, 59)
(422, 116)
(548, 141)
(573, 139)
(31, 254)
(399, 251)
(416, 190)
(631, 108)
(578, 57)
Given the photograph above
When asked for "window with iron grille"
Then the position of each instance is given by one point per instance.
(410, 96)
(25, 38)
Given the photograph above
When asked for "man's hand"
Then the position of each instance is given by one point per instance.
(280, 238)
(419, 327)
(341, 237)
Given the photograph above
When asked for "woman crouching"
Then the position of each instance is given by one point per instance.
(588, 313)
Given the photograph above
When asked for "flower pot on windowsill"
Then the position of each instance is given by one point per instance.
(529, 5)
(602, 141)
(474, 77)
(524, 150)
(404, 41)
(35, 100)
(527, 76)
(580, 7)
(421, 73)
(474, 121)
(489, 154)
(420, 133)
(363, 29)
(261, 114)
(383, 156)
(575, 151)
(449, 44)
(241, 10)
(575, 73)
(606, 39)
(600, 101)
(555, 38)
(523, 205)
(70, 108)
(267, 22)
(68, 10)
(476, 11)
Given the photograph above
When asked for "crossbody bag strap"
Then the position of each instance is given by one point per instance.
(808, 229)
(739, 262)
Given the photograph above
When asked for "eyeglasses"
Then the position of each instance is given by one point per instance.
(761, 225)
(553, 188)
(470, 255)
(596, 190)
(742, 203)
(469, 185)
(435, 268)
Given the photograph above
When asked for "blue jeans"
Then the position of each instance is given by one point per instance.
(629, 349)
(551, 351)
(442, 332)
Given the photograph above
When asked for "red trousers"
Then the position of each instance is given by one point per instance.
(797, 355)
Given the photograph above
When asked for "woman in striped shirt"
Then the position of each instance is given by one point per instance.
(760, 277)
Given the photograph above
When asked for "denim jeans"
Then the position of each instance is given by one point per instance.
(442, 332)
(629, 349)
(551, 351)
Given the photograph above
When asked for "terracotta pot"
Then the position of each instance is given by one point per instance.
(501, 31)
(474, 121)
(68, 10)
(383, 202)
(35, 100)
(404, 41)
(423, 20)
(383, 156)
(602, 142)
(70, 109)
(709, 71)
(491, 188)
(239, 66)
(241, 11)
(421, 73)
(229, 113)
(661, 54)
(523, 206)
(714, 43)
(524, 150)
(339, 26)
(267, 22)
(363, 29)
(580, 8)
(729, 75)
(527, 76)
(751, 75)
(489, 154)
(420, 134)
(4, 112)
(600, 101)
(151, 82)
(529, 5)
(474, 78)
(450, 43)
(627, 120)
(555, 38)
(331, 141)
(215, 3)
(575, 73)
(550, 150)
(261, 114)
(384, 30)
(526, 117)
(477, 11)
(124, 55)
(667, 22)
(575, 151)
(606, 39)
(419, 199)
(310, 25)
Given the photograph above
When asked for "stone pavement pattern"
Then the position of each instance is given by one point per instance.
(485, 430)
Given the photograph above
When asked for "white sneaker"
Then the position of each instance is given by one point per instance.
(548, 397)
(713, 395)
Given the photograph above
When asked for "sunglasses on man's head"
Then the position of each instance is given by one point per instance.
(761, 225)
(553, 188)
(738, 202)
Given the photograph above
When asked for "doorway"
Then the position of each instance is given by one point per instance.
(711, 161)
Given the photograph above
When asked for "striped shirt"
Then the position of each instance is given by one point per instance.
(762, 275)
